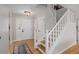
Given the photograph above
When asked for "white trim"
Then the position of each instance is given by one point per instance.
(20, 40)
(61, 50)
(66, 48)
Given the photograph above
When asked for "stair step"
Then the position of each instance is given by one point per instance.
(41, 50)
(42, 44)
(30, 45)
(42, 47)
(43, 41)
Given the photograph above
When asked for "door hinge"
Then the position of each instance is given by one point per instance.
(9, 32)
(77, 27)
(9, 27)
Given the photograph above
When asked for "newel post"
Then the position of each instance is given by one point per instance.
(46, 41)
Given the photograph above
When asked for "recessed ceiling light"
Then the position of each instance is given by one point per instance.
(28, 13)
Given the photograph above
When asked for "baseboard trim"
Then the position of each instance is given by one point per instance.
(20, 40)
(66, 48)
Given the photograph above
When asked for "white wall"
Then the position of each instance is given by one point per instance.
(50, 19)
(46, 19)
(60, 13)
(41, 11)
(25, 23)
(4, 31)
(73, 7)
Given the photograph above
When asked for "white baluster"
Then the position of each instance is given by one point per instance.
(61, 25)
(47, 41)
(50, 40)
(54, 35)
(57, 31)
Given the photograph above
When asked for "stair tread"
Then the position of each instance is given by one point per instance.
(31, 47)
(43, 43)
(41, 48)
(29, 43)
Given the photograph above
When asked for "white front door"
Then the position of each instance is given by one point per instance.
(4, 30)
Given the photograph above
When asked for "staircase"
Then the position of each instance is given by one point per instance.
(46, 45)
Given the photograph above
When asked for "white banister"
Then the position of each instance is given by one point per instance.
(59, 21)
(52, 35)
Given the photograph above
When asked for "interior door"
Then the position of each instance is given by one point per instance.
(35, 33)
(41, 28)
(4, 30)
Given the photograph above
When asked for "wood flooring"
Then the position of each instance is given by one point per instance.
(73, 50)
(29, 43)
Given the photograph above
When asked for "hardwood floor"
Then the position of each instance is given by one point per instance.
(73, 50)
(29, 43)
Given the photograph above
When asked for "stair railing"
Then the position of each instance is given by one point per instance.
(51, 36)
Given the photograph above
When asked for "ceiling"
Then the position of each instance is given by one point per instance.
(18, 9)
(40, 9)
(36, 9)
